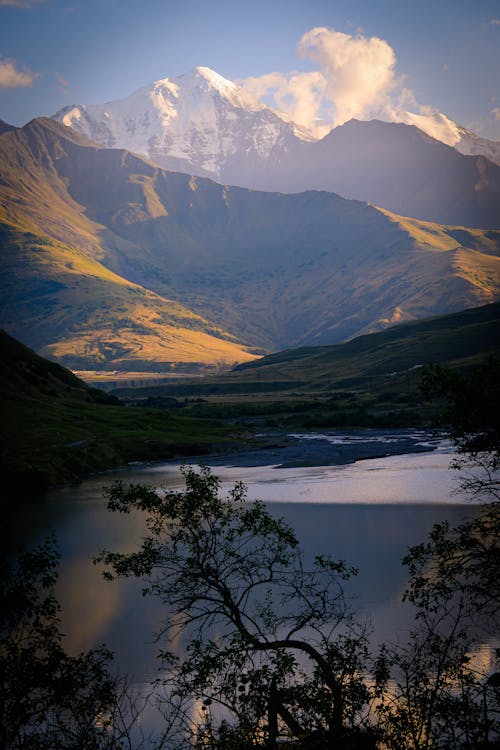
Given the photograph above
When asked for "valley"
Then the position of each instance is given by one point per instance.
(57, 429)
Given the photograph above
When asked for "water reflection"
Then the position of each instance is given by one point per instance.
(367, 513)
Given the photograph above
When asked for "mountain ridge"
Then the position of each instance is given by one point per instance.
(52, 258)
(202, 124)
(267, 269)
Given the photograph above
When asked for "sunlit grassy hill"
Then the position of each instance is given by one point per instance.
(59, 298)
(69, 306)
(457, 340)
(371, 379)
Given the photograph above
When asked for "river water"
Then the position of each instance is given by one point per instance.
(367, 512)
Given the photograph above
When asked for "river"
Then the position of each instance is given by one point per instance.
(367, 512)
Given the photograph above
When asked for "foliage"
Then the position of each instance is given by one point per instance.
(48, 699)
(460, 565)
(439, 696)
(472, 413)
(261, 647)
(436, 693)
(271, 643)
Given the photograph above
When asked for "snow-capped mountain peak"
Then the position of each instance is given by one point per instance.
(196, 122)
(204, 124)
(443, 129)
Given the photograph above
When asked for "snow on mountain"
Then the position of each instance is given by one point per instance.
(197, 122)
(443, 129)
(206, 125)
(471, 144)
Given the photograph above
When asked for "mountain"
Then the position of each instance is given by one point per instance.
(381, 370)
(199, 123)
(205, 125)
(57, 296)
(459, 339)
(110, 261)
(445, 130)
(396, 166)
(473, 145)
(5, 127)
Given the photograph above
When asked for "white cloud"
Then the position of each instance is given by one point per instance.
(359, 71)
(496, 114)
(297, 96)
(12, 77)
(356, 77)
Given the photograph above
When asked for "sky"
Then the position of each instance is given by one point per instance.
(319, 61)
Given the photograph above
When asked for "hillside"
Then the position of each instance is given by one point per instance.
(393, 165)
(113, 262)
(59, 297)
(460, 339)
(55, 428)
(69, 306)
(370, 380)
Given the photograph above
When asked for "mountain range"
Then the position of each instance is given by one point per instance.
(112, 261)
(205, 125)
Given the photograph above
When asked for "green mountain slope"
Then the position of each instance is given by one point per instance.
(370, 381)
(273, 270)
(54, 427)
(457, 339)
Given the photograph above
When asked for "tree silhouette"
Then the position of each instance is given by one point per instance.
(268, 645)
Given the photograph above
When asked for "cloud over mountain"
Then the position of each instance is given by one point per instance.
(357, 78)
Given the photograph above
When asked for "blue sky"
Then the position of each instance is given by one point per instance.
(441, 54)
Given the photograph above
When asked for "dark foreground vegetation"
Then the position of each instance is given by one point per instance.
(262, 651)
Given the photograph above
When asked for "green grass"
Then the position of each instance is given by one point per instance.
(55, 428)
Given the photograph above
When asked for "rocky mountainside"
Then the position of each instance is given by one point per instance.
(473, 145)
(111, 261)
(202, 124)
(58, 297)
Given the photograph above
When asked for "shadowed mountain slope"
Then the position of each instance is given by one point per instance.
(396, 166)
(273, 270)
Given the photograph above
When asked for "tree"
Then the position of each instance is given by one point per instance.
(269, 646)
(439, 698)
(435, 693)
(50, 700)
(471, 414)
(464, 562)
(260, 645)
